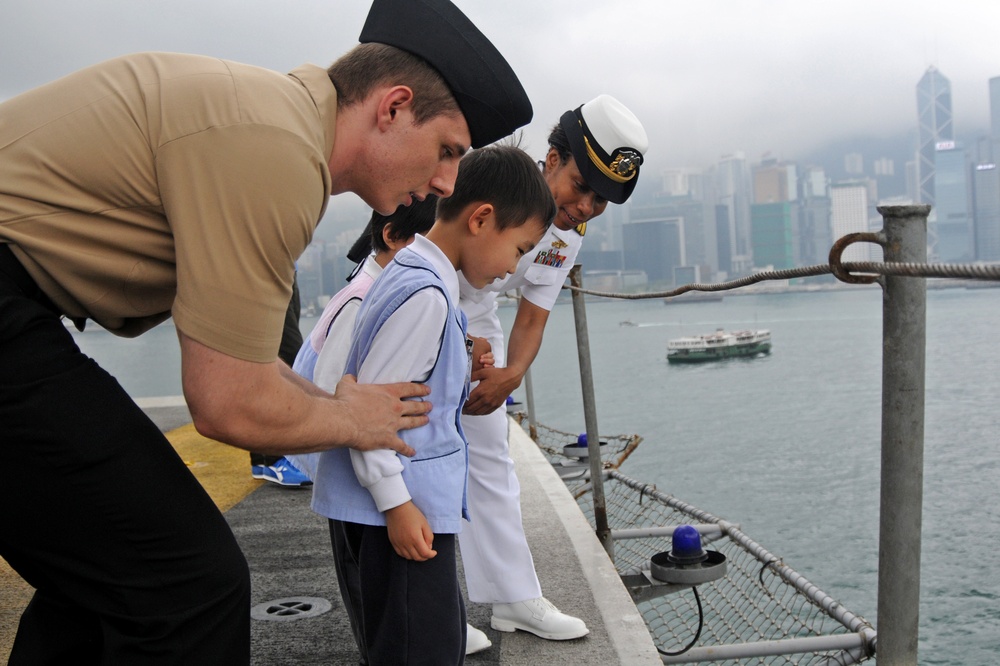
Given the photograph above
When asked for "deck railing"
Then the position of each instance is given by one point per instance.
(902, 278)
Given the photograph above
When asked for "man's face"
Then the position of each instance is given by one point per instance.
(413, 161)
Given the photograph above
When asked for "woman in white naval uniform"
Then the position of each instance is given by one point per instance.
(594, 156)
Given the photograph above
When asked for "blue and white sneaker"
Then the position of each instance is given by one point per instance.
(283, 472)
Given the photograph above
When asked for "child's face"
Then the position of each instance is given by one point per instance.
(496, 253)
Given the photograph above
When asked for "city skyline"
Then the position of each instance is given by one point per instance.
(707, 79)
(790, 80)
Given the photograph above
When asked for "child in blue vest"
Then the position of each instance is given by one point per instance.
(399, 516)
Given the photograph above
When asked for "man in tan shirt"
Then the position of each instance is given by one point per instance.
(165, 185)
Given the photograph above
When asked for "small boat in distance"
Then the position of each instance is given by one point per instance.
(719, 345)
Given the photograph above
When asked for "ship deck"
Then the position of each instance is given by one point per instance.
(288, 550)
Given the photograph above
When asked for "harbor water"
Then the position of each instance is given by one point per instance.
(785, 445)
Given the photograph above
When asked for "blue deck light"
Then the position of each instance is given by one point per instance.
(686, 546)
(687, 563)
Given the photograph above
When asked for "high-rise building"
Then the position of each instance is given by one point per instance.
(775, 241)
(986, 210)
(884, 166)
(995, 108)
(815, 235)
(723, 241)
(952, 226)
(774, 182)
(988, 150)
(849, 214)
(732, 184)
(654, 246)
(310, 275)
(854, 164)
(934, 126)
(688, 211)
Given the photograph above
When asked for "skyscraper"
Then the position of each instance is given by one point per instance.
(774, 234)
(992, 151)
(849, 214)
(655, 246)
(934, 126)
(995, 108)
(774, 182)
(733, 190)
(815, 234)
(953, 223)
(986, 206)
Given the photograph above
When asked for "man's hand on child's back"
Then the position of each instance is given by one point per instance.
(409, 532)
(380, 411)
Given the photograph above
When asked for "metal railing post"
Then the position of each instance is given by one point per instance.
(590, 414)
(529, 394)
(904, 319)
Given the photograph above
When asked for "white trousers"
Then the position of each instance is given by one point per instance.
(495, 554)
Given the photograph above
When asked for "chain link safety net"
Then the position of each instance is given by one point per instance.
(760, 599)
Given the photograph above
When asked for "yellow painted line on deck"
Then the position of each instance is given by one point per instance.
(224, 471)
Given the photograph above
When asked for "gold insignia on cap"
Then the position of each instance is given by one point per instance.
(626, 162)
(559, 244)
(624, 166)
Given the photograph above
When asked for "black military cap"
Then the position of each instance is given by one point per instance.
(487, 90)
(608, 143)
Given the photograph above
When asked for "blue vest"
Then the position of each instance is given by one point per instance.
(305, 361)
(437, 476)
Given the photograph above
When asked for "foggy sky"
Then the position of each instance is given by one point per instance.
(707, 78)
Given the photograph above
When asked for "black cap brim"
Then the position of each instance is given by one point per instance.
(614, 192)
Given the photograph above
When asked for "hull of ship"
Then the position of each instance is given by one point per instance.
(719, 353)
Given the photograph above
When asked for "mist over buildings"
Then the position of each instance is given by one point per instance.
(794, 82)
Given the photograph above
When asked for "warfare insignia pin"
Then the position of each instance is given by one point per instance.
(626, 162)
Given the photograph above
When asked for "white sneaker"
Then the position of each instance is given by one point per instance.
(475, 640)
(539, 617)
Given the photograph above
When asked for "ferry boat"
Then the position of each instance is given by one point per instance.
(719, 345)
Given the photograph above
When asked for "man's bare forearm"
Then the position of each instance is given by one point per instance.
(259, 407)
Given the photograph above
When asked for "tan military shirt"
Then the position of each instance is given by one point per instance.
(164, 184)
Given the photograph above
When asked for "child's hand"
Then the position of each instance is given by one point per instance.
(482, 353)
(409, 532)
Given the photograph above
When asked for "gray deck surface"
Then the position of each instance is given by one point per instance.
(288, 549)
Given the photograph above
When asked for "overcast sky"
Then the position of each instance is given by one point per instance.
(706, 77)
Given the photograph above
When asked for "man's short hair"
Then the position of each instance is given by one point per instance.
(368, 66)
(506, 177)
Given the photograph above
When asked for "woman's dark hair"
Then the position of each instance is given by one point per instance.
(405, 222)
(559, 141)
(507, 178)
